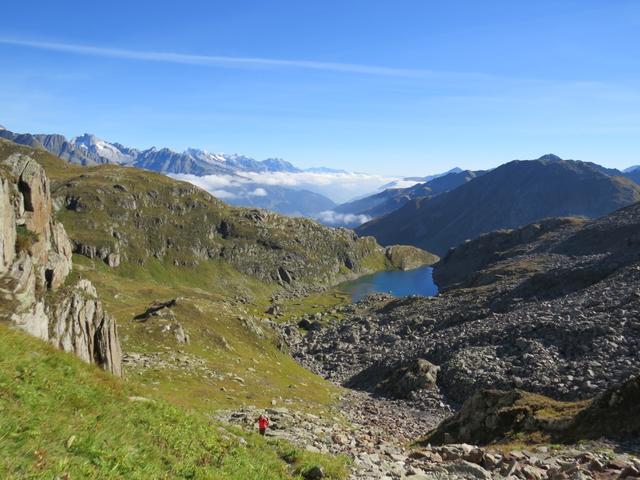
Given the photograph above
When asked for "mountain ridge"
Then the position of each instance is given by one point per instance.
(392, 199)
(88, 149)
(521, 191)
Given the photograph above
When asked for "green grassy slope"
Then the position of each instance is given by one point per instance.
(221, 264)
(233, 357)
(61, 418)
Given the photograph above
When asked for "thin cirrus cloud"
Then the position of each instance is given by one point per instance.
(228, 61)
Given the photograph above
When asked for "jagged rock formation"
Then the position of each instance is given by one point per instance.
(552, 308)
(80, 325)
(35, 260)
(7, 223)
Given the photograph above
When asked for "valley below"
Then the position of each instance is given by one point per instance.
(522, 362)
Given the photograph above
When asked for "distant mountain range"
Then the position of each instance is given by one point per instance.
(514, 194)
(88, 149)
(633, 173)
(287, 201)
(402, 183)
(392, 199)
(436, 213)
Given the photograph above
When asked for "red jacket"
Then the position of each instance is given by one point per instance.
(263, 423)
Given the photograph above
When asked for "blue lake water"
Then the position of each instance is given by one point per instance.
(396, 282)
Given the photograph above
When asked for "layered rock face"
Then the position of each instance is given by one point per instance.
(7, 226)
(35, 258)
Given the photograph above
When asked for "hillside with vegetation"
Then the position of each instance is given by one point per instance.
(62, 418)
(121, 214)
(213, 314)
(190, 291)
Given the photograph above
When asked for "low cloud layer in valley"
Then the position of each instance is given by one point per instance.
(329, 217)
(338, 186)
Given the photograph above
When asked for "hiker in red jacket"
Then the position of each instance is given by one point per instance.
(263, 423)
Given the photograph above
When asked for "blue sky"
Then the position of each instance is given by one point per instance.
(390, 87)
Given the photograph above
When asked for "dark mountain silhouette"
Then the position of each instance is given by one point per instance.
(512, 195)
(392, 199)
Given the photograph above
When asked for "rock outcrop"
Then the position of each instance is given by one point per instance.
(406, 257)
(7, 226)
(493, 416)
(35, 261)
(614, 413)
(80, 325)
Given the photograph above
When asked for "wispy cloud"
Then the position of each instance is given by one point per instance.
(228, 61)
(329, 217)
(339, 187)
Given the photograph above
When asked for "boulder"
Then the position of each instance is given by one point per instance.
(113, 260)
(180, 333)
(400, 380)
(416, 375)
(314, 473)
(81, 326)
(467, 470)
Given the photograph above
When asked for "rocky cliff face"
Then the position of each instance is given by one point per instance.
(7, 226)
(35, 261)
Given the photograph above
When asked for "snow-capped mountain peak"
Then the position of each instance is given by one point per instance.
(113, 153)
(205, 156)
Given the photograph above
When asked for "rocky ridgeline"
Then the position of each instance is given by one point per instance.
(552, 309)
(121, 214)
(35, 260)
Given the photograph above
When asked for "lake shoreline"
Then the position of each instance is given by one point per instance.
(399, 283)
